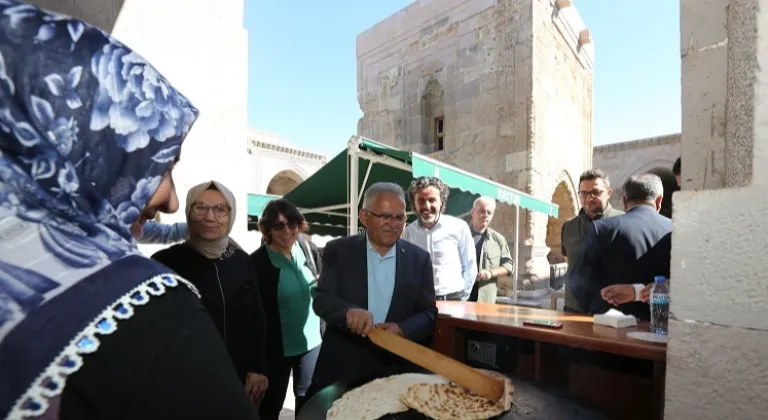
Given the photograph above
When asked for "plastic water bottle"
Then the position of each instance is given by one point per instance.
(659, 305)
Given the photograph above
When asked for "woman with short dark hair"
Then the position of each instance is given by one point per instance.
(287, 270)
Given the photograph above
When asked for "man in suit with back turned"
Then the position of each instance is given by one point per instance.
(372, 280)
(621, 256)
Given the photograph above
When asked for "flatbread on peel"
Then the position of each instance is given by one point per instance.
(378, 398)
(448, 401)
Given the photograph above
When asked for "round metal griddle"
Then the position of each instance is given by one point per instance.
(530, 402)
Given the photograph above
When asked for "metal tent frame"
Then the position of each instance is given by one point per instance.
(355, 194)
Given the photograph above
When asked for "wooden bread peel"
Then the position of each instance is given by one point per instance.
(477, 382)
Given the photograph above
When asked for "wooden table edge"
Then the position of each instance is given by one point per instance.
(640, 349)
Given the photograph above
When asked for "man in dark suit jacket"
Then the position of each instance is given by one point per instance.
(623, 254)
(372, 280)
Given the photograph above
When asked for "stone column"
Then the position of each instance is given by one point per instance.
(560, 124)
(716, 356)
(704, 54)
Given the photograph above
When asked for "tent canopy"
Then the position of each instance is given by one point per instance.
(257, 202)
(324, 197)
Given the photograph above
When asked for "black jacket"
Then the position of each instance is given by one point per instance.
(343, 286)
(165, 362)
(627, 249)
(229, 290)
(268, 277)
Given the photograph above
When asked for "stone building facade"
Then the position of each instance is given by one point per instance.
(620, 161)
(654, 155)
(277, 166)
(502, 88)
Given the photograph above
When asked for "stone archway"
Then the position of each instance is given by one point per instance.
(662, 168)
(563, 197)
(432, 116)
(283, 182)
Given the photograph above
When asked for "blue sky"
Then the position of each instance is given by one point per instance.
(303, 81)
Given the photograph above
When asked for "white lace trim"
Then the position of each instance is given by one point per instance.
(50, 383)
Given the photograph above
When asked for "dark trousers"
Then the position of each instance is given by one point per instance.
(570, 310)
(302, 366)
(452, 296)
(474, 293)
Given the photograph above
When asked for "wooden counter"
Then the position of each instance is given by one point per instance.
(598, 386)
(577, 330)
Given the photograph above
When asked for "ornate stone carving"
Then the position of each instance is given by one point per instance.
(368, 102)
(287, 150)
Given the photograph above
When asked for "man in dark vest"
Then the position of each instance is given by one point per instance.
(594, 194)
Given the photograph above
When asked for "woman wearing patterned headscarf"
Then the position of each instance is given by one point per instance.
(226, 280)
(88, 327)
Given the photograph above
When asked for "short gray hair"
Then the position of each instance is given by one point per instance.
(642, 188)
(382, 188)
(486, 199)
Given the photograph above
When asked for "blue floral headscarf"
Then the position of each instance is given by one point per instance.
(88, 129)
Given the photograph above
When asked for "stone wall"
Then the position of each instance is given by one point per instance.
(715, 55)
(703, 49)
(716, 356)
(622, 160)
(472, 63)
(561, 126)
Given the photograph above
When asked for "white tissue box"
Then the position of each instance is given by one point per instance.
(615, 319)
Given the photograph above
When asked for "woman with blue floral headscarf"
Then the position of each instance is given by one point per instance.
(89, 328)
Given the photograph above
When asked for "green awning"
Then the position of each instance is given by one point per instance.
(323, 197)
(257, 202)
(462, 180)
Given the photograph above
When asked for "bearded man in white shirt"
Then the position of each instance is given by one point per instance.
(447, 239)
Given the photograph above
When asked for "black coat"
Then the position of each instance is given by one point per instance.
(268, 277)
(628, 249)
(229, 290)
(165, 362)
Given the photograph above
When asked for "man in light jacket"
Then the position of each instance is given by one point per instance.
(491, 250)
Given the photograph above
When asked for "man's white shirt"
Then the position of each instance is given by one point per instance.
(452, 249)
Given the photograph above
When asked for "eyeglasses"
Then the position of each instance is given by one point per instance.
(388, 217)
(282, 225)
(593, 193)
(219, 210)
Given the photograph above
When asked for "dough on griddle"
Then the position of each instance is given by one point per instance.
(448, 401)
(378, 398)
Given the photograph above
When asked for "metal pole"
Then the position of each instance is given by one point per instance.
(365, 181)
(353, 187)
(517, 254)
